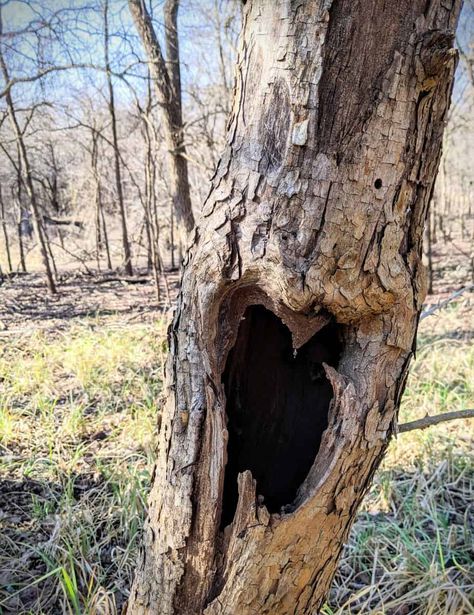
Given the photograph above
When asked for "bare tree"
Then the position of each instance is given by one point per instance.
(167, 81)
(127, 255)
(101, 236)
(68, 42)
(299, 305)
(27, 177)
(5, 231)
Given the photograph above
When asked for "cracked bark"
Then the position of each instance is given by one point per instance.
(316, 215)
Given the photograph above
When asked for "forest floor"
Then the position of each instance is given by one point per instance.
(80, 390)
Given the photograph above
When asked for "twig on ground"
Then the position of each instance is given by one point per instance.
(429, 421)
(441, 304)
(123, 280)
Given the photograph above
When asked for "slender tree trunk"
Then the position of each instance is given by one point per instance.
(149, 181)
(20, 245)
(151, 218)
(5, 232)
(429, 249)
(19, 197)
(147, 223)
(101, 239)
(149, 240)
(50, 252)
(151, 222)
(172, 244)
(299, 305)
(127, 256)
(106, 239)
(98, 230)
(28, 180)
(167, 81)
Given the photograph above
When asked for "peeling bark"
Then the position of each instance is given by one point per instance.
(315, 214)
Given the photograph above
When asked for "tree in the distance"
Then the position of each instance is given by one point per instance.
(127, 256)
(166, 77)
(27, 177)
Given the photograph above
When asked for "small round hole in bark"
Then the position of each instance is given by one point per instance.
(378, 183)
(277, 407)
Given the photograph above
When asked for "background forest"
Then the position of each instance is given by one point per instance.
(85, 194)
(90, 122)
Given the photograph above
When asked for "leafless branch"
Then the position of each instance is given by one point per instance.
(429, 421)
(56, 69)
(441, 304)
(40, 74)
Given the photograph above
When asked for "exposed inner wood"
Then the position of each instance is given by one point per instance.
(277, 407)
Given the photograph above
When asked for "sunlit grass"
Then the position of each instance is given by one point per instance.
(78, 417)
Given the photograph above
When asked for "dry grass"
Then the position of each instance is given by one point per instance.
(77, 426)
(77, 429)
(411, 549)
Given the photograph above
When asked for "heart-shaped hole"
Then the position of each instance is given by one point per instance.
(277, 407)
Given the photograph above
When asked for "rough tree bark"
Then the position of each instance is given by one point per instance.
(167, 81)
(299, 304)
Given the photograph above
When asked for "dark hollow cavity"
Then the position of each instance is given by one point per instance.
(277, 407)
(378, 183)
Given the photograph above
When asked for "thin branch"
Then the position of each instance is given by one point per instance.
(441, 304)
(429, 421)
(40, 75)
(56, 69)
(74, 255)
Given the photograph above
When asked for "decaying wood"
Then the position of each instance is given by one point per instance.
(316, 212)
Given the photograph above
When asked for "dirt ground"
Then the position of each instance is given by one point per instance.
(25, 304)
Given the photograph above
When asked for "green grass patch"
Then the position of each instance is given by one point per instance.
(78, 417)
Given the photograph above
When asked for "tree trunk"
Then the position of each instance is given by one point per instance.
(101, 238)
(429, 247)
(171, 239)
(19, 197)
(127, 256)
(5, 232)
(167, 80)
(299, 305)
(20, 246)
